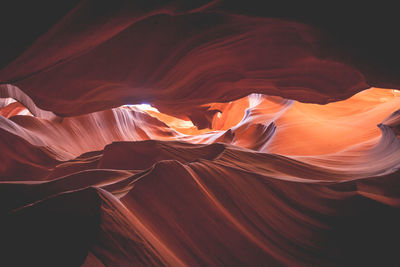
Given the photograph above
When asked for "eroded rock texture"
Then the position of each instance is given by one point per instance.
(198, 133)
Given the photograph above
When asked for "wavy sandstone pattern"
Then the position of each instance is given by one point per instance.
(264, 152)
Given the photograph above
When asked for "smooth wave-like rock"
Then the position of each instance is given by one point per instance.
(198, 133)
(253, 207)
(237, 56)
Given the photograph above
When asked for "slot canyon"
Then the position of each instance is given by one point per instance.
(199, 133)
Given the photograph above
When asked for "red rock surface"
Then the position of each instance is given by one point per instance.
(261, 147)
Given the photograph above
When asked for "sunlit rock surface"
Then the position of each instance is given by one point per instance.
(176, 134)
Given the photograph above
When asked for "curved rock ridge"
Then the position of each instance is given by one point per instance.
(199, 133)
(188, 199)
(207, 54)
(10, 92)
(260, 123)
(211, 197)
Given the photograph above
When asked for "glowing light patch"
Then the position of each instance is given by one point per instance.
(181, 124)
(143, 107)
(169, 120)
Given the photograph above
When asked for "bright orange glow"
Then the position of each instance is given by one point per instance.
(320, 129)
(304, 129)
